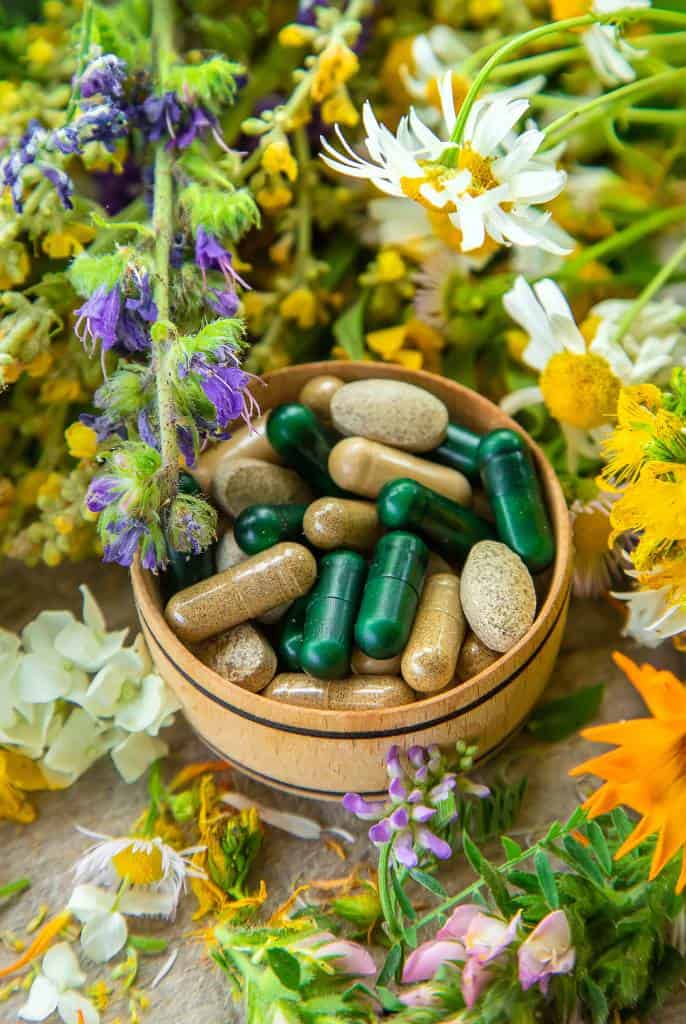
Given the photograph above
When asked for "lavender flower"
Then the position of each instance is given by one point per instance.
(98, 318)
(192, 524)
(195, 122)
(62, 183)
(184, 436)
(210, 254)
(120, 325)
(104, 491)
(160, 115)
(105, 75)
(224, 303)
(419, 783)
(225, 386)
(105, 425)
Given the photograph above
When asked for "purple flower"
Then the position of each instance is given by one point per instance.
(98, 318)
(418, 784)
(127, 535)
(105, 75)
(184, 436)
(62, 183)
(424, 961)
(104, 425)
(225, 387)
(103, 491)
(347, 957)
(210, 254)
(160, 115)
(195, 122)
(547, 951)
(225, 303)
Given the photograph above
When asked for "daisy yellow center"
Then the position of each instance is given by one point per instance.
(479, 166)
(591, 533)
(589, 327)
(435, 175)
(580, 390)
(141, 865)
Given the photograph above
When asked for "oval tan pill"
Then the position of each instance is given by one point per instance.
(248, 442)
(392, 412)
(239, 483)
(242, 656)
(430, 657)
(355, 693)
(317, 395)
(474, 657)
(249, 589)
(363, 467)
(363, 665)
(340, 523)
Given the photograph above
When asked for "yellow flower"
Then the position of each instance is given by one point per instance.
(278, 159)
(390, 266)
(561, 9)
(28, 488)
(18, 775)
(15, 265)
(67, 242)
(39, 365)
(40, 53)
(301, 306)
(50, 487)
(338, 108)
(53, 9)
(274, 197)
(483, 11)
(412, 344)
(336, 64)
(295, 35)
(82, 441)
(647, 771)
(654, 506)
(10, 372)
(51, 554)
(9, 96)
(63, 524)
(63, 389)
(638, 408)
(568, 378)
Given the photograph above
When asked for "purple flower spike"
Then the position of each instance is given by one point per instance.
(98, 318)
(197, 121)
(124, 544)
(103, 491)
(393, 765)
(62, 183)
(415, 756)
(224, 303)
(431, 842)
(105, 75)
(400, 819)
(381, 832)
(361, 808)
(422, 813)
(404, 851)
(397, 791)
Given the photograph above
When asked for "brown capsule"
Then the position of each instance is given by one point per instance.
(242, 656)
(355, 693)
(430, 656)
(438, 564)
(362, 665)
(248, 442)
(474, 658)
(363, 467)
(317, 393)
(243, 592)
(239, 483)
(340, 523)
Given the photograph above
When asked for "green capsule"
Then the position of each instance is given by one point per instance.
(291, 638)
(185, 569)
(391, 593)
(459, 450)
(330, 618)
(304, 444)
(259, 527)
(499, 442)
(450, 528)
(515, 496)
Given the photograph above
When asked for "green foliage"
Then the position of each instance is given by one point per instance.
(348, 330)
(221, 211)
(212, 83)
(558, 719)
(88, 273)
(493, 815)
(124, 28)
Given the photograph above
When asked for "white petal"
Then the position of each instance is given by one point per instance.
(103, 935)
(164, 969)
(140, 902)
(77, 745)
(137, 714)
(137, 753)
(71, 1003)
(44, 677)
(521, 399)
(92, 616)
(471, 223)
(61, 966)
(88, 649)
(39, 636)
(42, 1001)
(295, 824)
(87, 901)
(29, 734)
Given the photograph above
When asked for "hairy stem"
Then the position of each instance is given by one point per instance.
(82, 55)
(162, 27)
(651, 289)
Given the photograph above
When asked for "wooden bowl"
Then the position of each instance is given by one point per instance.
(324, 754)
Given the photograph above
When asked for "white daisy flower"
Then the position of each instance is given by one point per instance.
(494, 188)
(150, 864)
(55, 990)
(610, 55)
(596, 566)
(651, 616)
(103, 914)
(582, 369)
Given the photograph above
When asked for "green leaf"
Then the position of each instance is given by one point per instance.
(221, 211)
(391, 965)
(510, 847)
(472, 853)
(348, 330)
(88, 273)
(14, 888)
(388, 1000)
(211, 83)
(147, 944)
(285, 967)
(558, 719)
(600, 847)
(583, 860)
(594, 998)
(402, 897)
(489, 873)
(428, 881)
(546, 879)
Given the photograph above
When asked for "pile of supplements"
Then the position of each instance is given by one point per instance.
(354, 573)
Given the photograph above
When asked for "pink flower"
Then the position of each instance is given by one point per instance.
(349, 957)
(419, 996)
(459, 921)
(547, 951)
(486, 937)
(423, 962)
(475, 978)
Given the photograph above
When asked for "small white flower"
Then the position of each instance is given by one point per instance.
(494, 187)
(44, 674)
(9, 662)
(80, 742)
(610, 55)
(651, 617)
(149, 865)
(596, 566)
(55, 990)
(33, 729)
(134, 752)
(652, 346)
(87, 643)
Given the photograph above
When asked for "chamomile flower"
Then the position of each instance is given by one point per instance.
(596, 564)
(652, 617)
(489, 186)
(55, 990)
(610, 55)
(149, 864)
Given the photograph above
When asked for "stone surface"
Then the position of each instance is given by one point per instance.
(195, 991)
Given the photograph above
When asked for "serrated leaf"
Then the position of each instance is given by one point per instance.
(428, 881)
(285, 967)
(558, 719)
(391, 965)
(546, 880)
(510, 847)
(600, 847)
(348, 330)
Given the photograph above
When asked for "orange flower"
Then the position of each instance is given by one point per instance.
(647, 770)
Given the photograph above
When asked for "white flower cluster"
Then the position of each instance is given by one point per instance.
(71, 692)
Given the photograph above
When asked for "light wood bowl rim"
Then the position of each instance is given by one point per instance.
(403, 718)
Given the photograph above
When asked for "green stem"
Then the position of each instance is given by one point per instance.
(163, 209)
(650, 115)
(304, 211)
(651, 289)
(557, 130)
(84, 46)
(385, 897)
(622, 239)
(13, 888)
(538, 62)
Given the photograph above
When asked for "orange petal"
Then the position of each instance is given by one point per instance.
(639, 732)
(681, 881)
(602, 801)
(48, 932)
(619, 765)
(669, 841)
(645, 828)
(663, 693)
